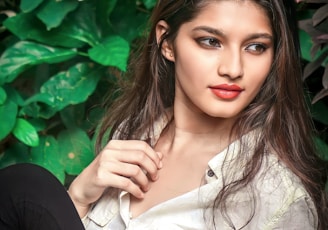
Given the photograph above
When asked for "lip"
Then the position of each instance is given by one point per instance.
(225, 91)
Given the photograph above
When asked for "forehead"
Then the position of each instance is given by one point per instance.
(239, 14)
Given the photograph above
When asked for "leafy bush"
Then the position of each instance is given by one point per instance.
(54, 72)
(59, 59)
(313, 25)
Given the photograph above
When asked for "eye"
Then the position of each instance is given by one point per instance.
(209, 42)
(256, 48)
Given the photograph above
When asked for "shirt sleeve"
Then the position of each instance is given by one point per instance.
(301, 215)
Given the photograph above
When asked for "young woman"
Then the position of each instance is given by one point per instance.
(213, 132)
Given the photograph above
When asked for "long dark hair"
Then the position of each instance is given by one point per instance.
(279, 110)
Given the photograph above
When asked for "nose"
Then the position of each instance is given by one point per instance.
(230, 64)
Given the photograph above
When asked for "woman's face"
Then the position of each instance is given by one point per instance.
(222, 57)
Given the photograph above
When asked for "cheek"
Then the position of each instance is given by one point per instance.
(260, 71)
(189, 69)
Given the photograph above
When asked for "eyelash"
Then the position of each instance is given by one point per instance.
(207, 42)
(258, 45)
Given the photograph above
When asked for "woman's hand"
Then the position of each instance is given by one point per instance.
(127, 165)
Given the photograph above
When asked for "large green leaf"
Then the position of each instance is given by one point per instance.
(47, 155)
(25, 54)
(52, 13)
(73, 86)
(29, 5)
(114, 51)
(8, 113)
(127, 21)
(44, 98)
(76, 149)
(82, 27)
(27, 26)
(3, 96)
(26, 133)
(103, 11)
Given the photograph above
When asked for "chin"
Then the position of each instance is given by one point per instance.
(221, 115)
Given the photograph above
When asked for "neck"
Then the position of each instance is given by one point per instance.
(194, 122)
(197, 130)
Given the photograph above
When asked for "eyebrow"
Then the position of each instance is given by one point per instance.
(222, 34)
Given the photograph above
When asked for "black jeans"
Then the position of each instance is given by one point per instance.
(31, 198)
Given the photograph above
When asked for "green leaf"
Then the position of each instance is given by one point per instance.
(14, 95)
(73, 116)
(53, 12)
(82, 24)
(34, 107)
(149, 3)
(16, 153)
(103, 11)
(114, 51)
(47, 155)
(38, 124)
(319, 112)
(44, 98)
(73, 86)
(26, 133)
(29, 5)
(25, 54)
(28, 27)
(75, 147)
(127, 21)
(38, 110)
(322, 148)
(3, 96)
(8, 113)
(306, 45)
(77, 29)
(94, 115)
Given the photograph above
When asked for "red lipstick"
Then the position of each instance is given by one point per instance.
(225, 91)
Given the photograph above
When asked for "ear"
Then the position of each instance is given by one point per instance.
(167, 49)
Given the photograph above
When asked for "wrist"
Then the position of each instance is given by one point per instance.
(81, 207)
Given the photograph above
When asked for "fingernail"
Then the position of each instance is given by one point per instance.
(160, 165)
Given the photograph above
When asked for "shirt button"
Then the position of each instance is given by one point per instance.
(210, 173)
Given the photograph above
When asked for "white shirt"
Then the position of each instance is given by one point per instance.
(281, 202)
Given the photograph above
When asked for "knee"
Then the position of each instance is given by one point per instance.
(27, 176)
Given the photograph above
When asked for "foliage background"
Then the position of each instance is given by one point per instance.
(60, 58)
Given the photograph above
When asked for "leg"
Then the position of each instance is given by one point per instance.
(31, 198)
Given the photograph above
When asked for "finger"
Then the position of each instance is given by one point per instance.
(136, 145)
(141, 159)
(134, 172)
(127, 185)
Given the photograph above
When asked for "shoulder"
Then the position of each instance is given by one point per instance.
(282, 198)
